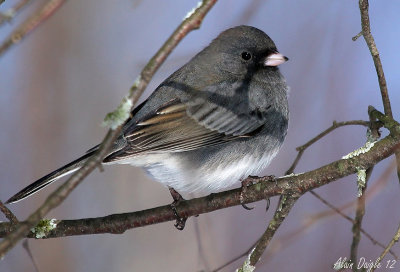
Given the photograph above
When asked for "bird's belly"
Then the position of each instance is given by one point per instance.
(204, 177)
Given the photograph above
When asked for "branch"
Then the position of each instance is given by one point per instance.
(21, 230)
(357, 223)
(286, 203)
(288, 238)
(348, 218)
(9, 215)
(257, 251)
(369, 39)
(334, 126)
(30, 24)
(373, 135)
(12, 12)
(360, 211)
(395, 239)
(388, 122)
(287, 185)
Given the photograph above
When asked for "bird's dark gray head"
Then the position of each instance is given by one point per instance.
(242, 37)
(240, 49)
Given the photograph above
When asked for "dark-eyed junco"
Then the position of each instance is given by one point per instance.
(219, 118)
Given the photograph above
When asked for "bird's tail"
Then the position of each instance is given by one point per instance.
(53, 176)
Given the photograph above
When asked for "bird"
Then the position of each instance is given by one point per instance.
(216, 120)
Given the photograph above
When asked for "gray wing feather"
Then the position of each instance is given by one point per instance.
(200, 118)
(170, 129)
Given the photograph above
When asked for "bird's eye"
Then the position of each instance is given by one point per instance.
(246, 55)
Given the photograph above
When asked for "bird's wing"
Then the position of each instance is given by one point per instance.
(198, 119)
(169, 129)
(229, 116)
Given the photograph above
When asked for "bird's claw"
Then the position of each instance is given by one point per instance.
(251, 180)
(246, 207)
(180, 221)
(245, 183)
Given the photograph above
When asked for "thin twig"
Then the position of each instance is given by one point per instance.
(56, 198)
(301, 149)
(395, 239)
(388, 122)
(373, 135)
(357, 36)
(334, 126)
(285, 205)
(288, 239)
(348, 218)
(30, 24)
(356, 229)
(10, 216)
(8, 15)
(369, 39)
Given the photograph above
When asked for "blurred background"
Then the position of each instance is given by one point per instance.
(58, 84)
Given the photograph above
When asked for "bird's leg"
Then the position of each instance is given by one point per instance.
(245, 183)
(251, 180)
(180, 221)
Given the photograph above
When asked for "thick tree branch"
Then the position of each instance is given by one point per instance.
(287, 185)
(191, 22)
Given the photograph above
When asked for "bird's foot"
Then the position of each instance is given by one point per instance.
(251, 180)
(180, 221)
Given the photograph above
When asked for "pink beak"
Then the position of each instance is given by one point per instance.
(275, 59)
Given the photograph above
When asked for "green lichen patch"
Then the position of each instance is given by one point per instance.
(119, 116)
(247, 267)
(44, 227)
(364, 149)
(361, 180)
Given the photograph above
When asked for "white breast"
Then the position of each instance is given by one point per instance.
(173, 173)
